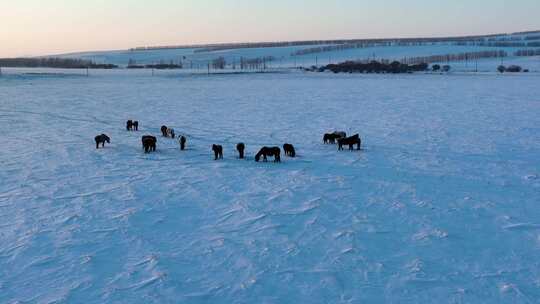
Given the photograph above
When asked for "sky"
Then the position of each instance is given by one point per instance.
(38, 27)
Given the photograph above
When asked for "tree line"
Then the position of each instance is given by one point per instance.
(226, 46)
(528, 52)
(50, 62)
(455, 57)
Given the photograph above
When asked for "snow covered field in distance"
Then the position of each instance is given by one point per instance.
(440, 206)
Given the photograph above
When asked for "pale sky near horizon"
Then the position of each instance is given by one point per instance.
(37, 27)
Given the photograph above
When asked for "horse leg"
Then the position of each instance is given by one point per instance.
(97, 145)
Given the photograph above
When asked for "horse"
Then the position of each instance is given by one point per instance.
(149, 143)
(351, 141)
(218, 152)
(182, 142)
(136, 125)
(129, 125)
(240, 148)
(332, 137)
(164, 131)
(266, 151)
(170, 133)
(289, 150)
(329, 138)
(101, 139)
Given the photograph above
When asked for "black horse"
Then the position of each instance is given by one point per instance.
(330, 138)
(101, 139)
(149, 143)
(182, 143)
(218, 152)
(289, 150)
(129, 125)
(351, 141)
(240, 147)
(136, 125)
(266, 151)
(164, 131)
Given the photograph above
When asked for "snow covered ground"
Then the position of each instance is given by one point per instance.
(441, 206)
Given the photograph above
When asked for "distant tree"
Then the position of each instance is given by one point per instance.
(501, 69)
(436, 67)
(219, 63)
(446, 68)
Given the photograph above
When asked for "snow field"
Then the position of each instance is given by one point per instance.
(440, 206)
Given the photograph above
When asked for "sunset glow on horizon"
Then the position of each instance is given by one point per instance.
(32, 27)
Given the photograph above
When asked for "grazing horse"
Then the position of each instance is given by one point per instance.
(266, 151)
(218, 152)
(164, 130)
(182, 142)
(101, 139)
(136, 125)
(351, 141)
(240, 148)
(170, 133)
(149, 143)
(330, 138)
(289, 150)
(129, 125)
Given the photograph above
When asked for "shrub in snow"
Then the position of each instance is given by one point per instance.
(436, 67)
(513, 69)
(374, 67)
(446, 68)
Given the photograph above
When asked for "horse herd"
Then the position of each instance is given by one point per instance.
(149, 143)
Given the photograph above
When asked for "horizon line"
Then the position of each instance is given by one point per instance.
(299, 42)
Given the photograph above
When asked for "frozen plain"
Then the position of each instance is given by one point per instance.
(441, 206)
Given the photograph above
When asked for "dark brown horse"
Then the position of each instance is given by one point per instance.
(101, 139)
(129, 125)
(266, 151)
(182, 142)
(149, 143)
(164, 131)
(351, 141)
(289, 150)
(218, 152)
(240, 148)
